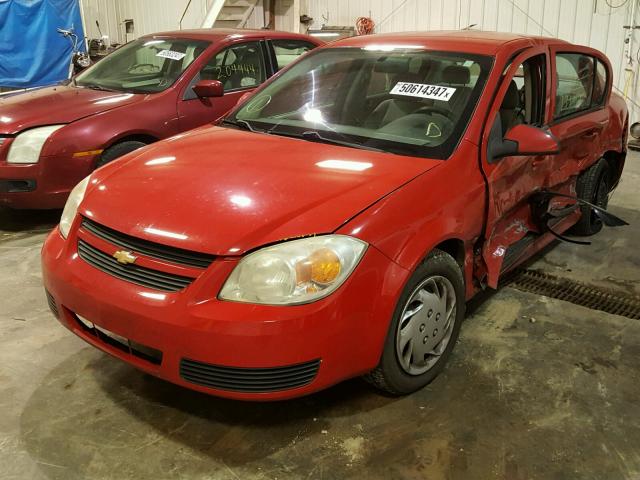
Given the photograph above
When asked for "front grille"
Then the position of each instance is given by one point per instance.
(150, 249)
(52, 304)
(146, 277)
(139, 350)
(250, 380)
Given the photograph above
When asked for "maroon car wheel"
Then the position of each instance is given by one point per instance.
(117, 151)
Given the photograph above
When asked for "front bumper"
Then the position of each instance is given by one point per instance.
(342, 335)
(45, 184)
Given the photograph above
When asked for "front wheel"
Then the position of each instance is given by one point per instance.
(424, 327)
(118, 150)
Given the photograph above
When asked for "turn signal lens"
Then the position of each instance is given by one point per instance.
(325, 266)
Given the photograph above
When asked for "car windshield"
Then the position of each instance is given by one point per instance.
(143, 66)
(401, 100)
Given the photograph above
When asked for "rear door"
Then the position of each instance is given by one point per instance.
(240, 67)
(521, 98)
(581, 81)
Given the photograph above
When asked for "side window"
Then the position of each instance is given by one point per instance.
(525, 98)
(580, 85)
(287, 51)
(237, 67)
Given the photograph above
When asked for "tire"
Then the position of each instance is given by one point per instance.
(118, 150)
(593, 185)
(398, 373)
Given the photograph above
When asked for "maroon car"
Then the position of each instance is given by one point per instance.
(152, 88)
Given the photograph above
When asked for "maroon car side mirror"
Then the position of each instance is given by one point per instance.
(208, 88)
(532, 140)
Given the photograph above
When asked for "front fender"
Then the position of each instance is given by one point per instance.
(447, 202)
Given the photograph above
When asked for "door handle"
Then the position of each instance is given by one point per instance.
(590, 134)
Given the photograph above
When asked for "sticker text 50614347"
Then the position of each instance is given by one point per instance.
(422, 90)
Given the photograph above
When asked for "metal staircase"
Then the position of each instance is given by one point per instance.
(228, 13)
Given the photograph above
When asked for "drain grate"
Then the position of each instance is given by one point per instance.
(595, 298)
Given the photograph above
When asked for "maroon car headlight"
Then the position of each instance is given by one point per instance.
(27, 145)
(294, 272)
(71, 207)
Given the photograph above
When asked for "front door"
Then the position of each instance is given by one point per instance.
(240, 67)
(521, 99)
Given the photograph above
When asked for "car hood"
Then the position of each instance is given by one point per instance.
(224, 191)
(58, 104)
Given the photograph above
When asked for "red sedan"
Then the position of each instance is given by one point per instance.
(150, 89)
(338, 220)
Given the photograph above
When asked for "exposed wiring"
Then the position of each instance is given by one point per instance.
(392, 13)
(627, 98)
(364, 26)
(530, 18)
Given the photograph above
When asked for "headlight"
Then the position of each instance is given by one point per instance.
(71, 207)
(27, 146)
(299, 271)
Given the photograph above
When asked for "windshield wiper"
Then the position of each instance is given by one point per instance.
(93, 86)
(315, 136)
(242, 124)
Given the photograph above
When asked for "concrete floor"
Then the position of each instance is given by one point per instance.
(551, 398)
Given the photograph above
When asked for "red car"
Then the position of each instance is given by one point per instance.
(152, 88)
(337, 221)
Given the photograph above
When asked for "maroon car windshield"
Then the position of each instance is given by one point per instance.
(143, 66)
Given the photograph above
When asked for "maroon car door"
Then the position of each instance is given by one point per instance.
(522, 98)
(240, 67)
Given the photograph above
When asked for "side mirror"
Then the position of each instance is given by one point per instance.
(532, 140)
(521, 140)
(208, 88)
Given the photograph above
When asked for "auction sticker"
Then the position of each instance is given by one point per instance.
(171, 54)
(422, 90)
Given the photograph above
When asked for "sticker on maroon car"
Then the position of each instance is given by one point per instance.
(433, 92)
(170, 54)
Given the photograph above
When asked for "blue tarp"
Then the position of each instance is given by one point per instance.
(32, 52)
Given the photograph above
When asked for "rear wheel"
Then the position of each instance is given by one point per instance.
(424, 327)
(593, 185)
(118, 150)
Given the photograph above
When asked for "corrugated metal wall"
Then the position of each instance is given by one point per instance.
(150, 16)
(590, 22)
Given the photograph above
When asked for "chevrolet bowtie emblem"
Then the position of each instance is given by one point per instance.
(124, 257)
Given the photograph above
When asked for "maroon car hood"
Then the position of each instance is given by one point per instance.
(225, 191)
(59, 104)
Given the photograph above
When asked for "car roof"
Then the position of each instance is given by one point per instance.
(472, 41)
(221, 34)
